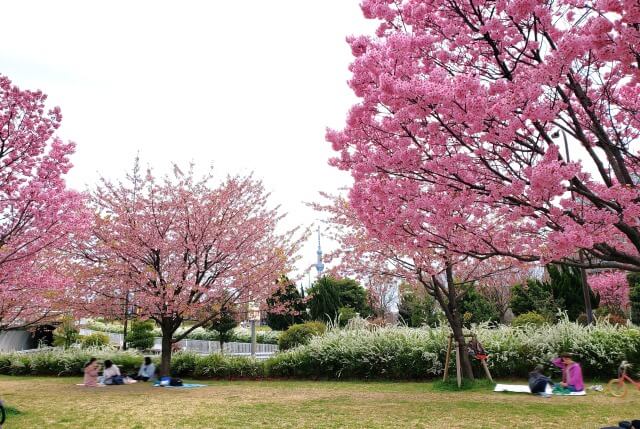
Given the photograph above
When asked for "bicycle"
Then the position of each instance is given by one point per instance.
(617, 386)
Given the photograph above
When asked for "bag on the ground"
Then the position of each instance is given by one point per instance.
(175, 382)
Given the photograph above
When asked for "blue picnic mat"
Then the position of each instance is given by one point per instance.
(184, 386)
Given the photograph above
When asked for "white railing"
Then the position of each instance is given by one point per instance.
(200, 346)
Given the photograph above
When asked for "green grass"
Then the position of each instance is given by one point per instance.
(58, 403)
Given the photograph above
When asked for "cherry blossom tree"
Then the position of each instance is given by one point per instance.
(38, 213)
(182, 247)
(382, 294)
(422, 260)
(474, 107)
(613, 289)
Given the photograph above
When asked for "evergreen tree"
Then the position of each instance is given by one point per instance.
(534, 296)
(634, 296)
(224, 323)
(141, 335)
(416, 310)
(329, 295)
(566, 284)
(562, 291)
(286, 306)
(475, 308)
(324, 302)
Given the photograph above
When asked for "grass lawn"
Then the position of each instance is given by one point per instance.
(44, 402)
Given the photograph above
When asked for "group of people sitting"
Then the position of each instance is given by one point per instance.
(111, 374)
(571, 376)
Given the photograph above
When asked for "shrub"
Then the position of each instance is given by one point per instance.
(300, 334)
(114, 328)
(243, 335)
(368, 352)
(183, 364)
(220, 366)
(141, 336)
(97, 339)
(615, 319)
(530, 318)
(409, 353)
(66, 334)
(345, 314)
(63, 361)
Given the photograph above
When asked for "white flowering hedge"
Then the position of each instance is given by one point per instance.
(409, 353)
(367, 352)
(62, 362)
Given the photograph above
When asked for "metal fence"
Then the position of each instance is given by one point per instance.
(200, 346)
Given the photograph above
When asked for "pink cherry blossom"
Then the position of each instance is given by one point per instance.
(181, 247)
(459, 128)
(39, 214)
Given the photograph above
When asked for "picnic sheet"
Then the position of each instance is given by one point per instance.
(523, 388)
(184, 386)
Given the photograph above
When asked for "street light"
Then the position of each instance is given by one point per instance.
(253, 315)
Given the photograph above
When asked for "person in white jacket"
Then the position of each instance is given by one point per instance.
(147, 371)
(111, 370)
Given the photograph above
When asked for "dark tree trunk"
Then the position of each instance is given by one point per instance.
(167, 343)
(126, 319)
(447, 297)
(458, 336)
(456, 325)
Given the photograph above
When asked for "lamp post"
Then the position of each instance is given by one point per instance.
(254, 316)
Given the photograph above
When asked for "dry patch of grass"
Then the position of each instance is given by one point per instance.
(59, 403)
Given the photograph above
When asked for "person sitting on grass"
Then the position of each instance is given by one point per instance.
(147, 370)
(111, 373)
(538, 381)
(571, 372)
(91, 373)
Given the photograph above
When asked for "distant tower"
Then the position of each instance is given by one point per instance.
(319, 264)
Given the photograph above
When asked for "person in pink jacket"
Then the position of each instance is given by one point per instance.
(91, 373)
(571, 372)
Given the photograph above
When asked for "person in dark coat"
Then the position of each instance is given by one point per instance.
(538, 381)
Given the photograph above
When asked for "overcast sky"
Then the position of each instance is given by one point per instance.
(246, 85)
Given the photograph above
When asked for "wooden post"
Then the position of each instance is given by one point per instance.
(447, 359)
(486, 370)
(458, 369)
